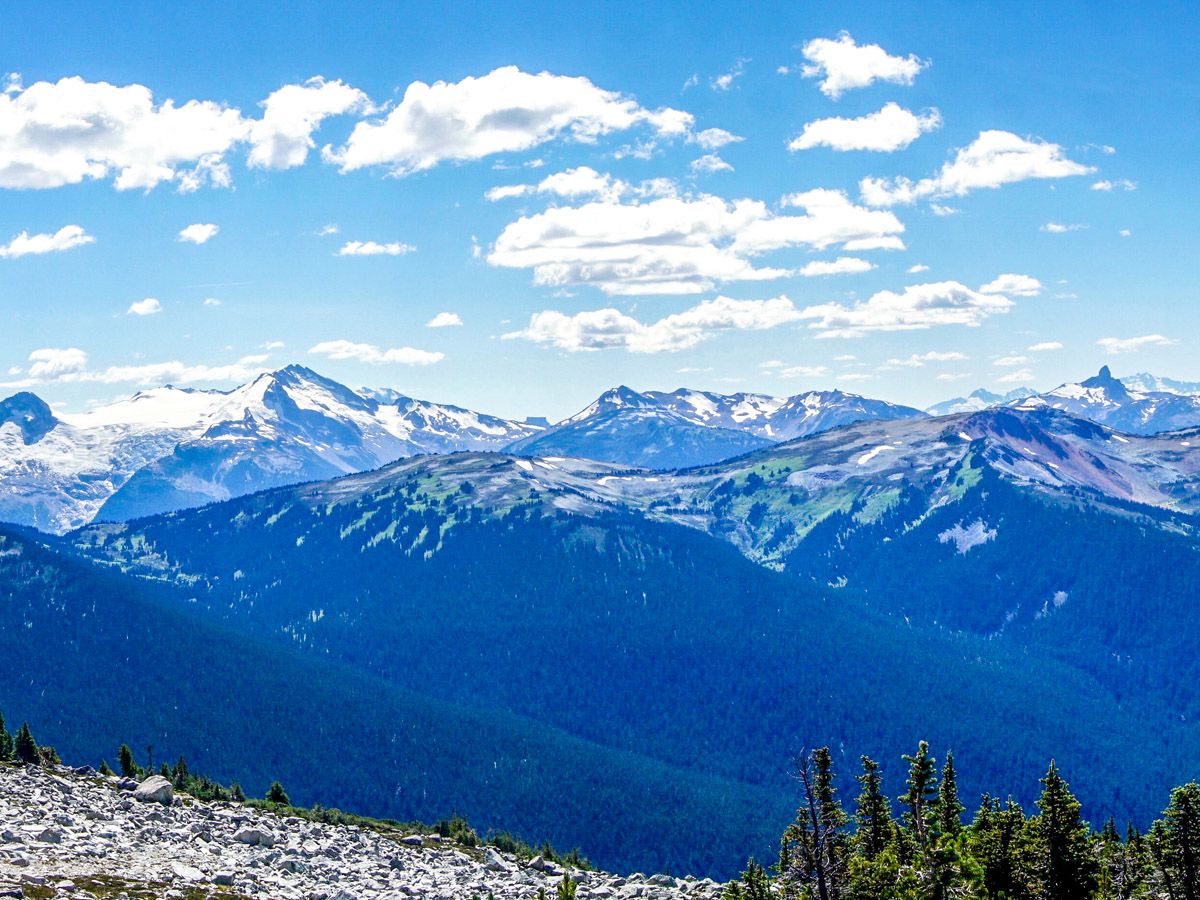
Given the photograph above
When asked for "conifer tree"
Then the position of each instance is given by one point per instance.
(1181, 841)
(276, 794)
(26, 749)
(179, 774)
(105, 768)
(949, 809)
(125, 761)
(920, 799)
(6, 742)
(1063, 860)
(812, 855)
(873, 814)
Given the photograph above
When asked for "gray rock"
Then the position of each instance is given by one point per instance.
(255, 837)
(155, 789)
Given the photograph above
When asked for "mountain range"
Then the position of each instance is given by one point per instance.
(935, 577)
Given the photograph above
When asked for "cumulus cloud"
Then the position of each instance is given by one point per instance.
(844, 65)
(1120, 184)
(1017, 285)
(444, 320)
(211, 301)
(504, 111)
(1010, 361)
(72, 130)
(1133, 344)
(71, 365)
(672, 245)
(50, 363)
(709, 163)
(148, 307)
(891, 128)
(1060, 228)
(993, 159)
(917, 268)
(843, 265)
(66, 238)
(725, 81)
(918, 306)
(374, 248)
(1044, 346)
(199, 233)
(713, 138)
(581, 181)
(376, 356)
(602, 329)
(282, 138)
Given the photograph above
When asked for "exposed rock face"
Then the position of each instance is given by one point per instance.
(66, 833)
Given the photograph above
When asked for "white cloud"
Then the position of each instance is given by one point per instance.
(993, 159)
(584, 181)
(211, 301)
(610, 328)
(1060, 228)
(917, 269)
(326, 230)
(891, 128)
(505, 111)
(953, 376)
(50, 363)
(845, 357)
(920, 360)
(1125, 232)
(1018, 377)
(803, 372)
(845, 65)
(855, 376)
(713, 138)
(374, 248)
(376, 356)
(1120, 184)
(148, 307)
(66, 238)
(1017, 285)
(918, 306)
(1133, 344)
(1044, 346)
(843, 265)
(679, 246)
(709, 163)
(940, 209)
(1010, 361)
(725, 81)
(282, 138)
(54, 134)
(444, 320)
(199, 233)
(273, 345)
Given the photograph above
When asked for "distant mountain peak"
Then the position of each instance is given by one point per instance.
(30, 413)
(1105, 381)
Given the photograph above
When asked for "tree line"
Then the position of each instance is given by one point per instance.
(1003, 853)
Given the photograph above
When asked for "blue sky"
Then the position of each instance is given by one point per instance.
(667, 209)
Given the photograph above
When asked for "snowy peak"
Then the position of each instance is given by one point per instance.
(1104, 381)
(1146, 383)
(30, 414)
(977, 400)
(1109, 401)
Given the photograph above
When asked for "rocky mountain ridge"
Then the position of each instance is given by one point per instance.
(73, 833)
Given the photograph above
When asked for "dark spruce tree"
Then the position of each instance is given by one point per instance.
(6, 742)
(125, 761)
(276, 794)
(1180, 842)
(26, 749)
(1063, 861)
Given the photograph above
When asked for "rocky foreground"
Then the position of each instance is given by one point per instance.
(72, 833)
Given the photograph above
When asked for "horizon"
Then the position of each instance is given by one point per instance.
(841, 198)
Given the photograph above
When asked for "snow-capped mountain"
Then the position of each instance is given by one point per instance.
(977, 400)
(1105, 399)
(170, 448)
(659, 429)
(1147, 383)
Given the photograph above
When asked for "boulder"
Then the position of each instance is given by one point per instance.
(155, 789)
(255, 837)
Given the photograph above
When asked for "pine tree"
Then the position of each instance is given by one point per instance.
(1063, 860)
(26, 749)
(1181, 841)
(125, 761)
(949, 809)
(179, 773)
(812, 855)
(921, 796)
(6, 742)
(276, 794)
(105, 768)
(873, 821)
